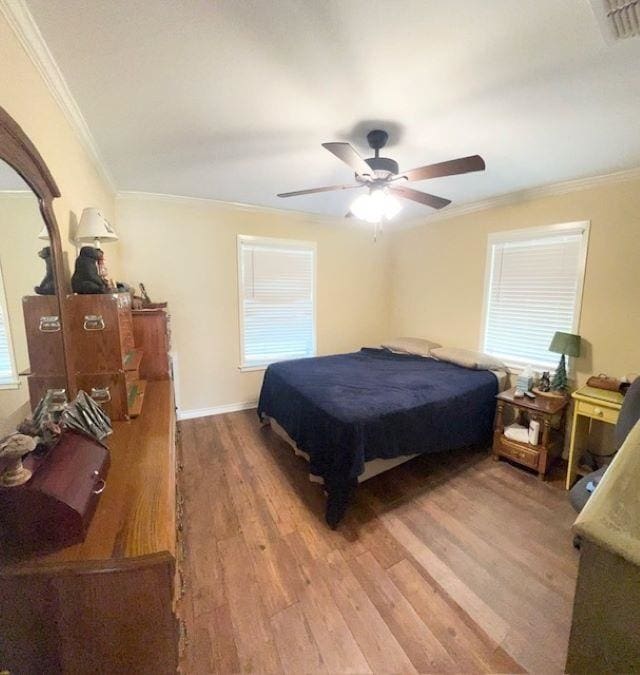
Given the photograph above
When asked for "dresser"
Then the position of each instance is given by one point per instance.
(108, 604)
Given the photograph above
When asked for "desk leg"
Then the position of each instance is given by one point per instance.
(575, 447)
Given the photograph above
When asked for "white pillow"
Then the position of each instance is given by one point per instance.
(409, 345)
(467, 358)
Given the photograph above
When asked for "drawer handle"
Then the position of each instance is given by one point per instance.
(93, 322)
(598, 411)
(100, 394)
(99, 487)
(49, 324)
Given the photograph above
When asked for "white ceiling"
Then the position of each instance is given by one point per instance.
(230, 99)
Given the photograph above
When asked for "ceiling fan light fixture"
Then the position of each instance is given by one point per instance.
(375, 206)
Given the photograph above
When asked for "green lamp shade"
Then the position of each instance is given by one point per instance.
(565, 343)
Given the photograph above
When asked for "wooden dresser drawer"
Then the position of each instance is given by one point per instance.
(44, 334)
(598, 412)
(518, 452)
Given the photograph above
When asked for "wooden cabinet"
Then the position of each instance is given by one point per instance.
(104, 359)
(152, 334)
(549, 412)
(105, 605)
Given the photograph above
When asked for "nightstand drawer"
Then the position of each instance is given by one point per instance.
(598, 412)
(519, 452)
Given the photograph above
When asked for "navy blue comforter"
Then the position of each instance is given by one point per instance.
(346, 409)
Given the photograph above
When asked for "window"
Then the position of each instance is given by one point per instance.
(8, 374)
(533, 289)
(276, 280)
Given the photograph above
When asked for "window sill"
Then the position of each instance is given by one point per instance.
(249, 369)
(10, 385)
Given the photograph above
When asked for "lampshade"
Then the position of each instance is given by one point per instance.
(94, 226)
(44, 233)
(565, 343)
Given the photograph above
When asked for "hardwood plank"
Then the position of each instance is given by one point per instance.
(468, 645)
(277, 574)
(511, 538)
(480, 611)
(414, 636)
(251, 628)
(380, 647)
(331, 632)
(298, 650)
(252, 513)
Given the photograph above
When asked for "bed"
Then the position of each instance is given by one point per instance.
(349, 411)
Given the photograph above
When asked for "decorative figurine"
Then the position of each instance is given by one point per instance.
(86, 278)
(14, 448)
(146, 300)
(545, 382)
(48, 285)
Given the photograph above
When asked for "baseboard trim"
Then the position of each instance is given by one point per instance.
(216, 410)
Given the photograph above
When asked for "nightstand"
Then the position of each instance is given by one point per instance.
(549, 411)
(590, 404)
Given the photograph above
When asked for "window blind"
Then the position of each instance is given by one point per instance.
(534, 290)
(7, 369)
(277, 295)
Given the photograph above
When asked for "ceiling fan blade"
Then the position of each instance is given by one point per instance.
(328, 188)
(450, 168)
(347, 153)
(421, 197)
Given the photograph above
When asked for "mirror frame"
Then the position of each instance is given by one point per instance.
(17, 150)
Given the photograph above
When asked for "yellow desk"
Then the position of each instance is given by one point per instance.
(589, 404)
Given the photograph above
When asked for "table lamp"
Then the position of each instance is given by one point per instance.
(93, 226)
(565, 344)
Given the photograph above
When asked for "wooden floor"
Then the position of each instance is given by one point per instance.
(452, 563)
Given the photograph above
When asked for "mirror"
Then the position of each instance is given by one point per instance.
(29, 364)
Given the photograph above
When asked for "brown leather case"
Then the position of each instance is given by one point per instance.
(54, 508)
(602, 381)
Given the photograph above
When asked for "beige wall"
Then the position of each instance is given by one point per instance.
(25, 96)
(438, 273)
(185, 252)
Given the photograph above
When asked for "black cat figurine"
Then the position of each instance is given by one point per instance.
(85, 278)
(48, 284)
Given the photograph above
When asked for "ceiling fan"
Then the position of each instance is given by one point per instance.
(385, 182)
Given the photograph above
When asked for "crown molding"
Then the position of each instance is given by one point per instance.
(24, 26)
(551, 190)
(239, 206)
(520, 196)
